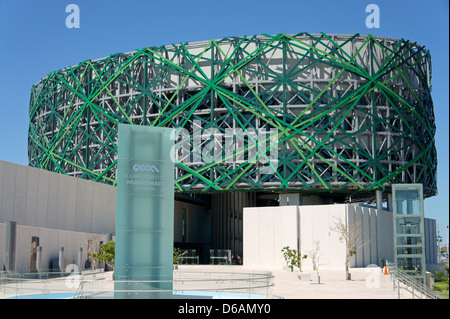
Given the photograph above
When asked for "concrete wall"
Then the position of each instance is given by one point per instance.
(38, 198)
(376, 236)
(62, 211)
(65, 211)
(268, 229)
(316, 223)
(50, 240)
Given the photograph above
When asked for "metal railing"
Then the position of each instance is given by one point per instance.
(44, 285)
(198, 284)
(411, 284)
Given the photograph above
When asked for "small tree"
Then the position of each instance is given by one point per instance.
(293, 257)
(315, 256)
(177, 255)
(441, 282)
(441, 276)
(107, 254)
(298, 259)
(92, 246)
(286, 254)
(351, 235)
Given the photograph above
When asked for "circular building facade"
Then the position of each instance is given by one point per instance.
(308, 113)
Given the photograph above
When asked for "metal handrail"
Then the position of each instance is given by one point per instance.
(247, 283)
(410, 283)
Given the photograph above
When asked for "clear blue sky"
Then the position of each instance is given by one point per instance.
(34, 41)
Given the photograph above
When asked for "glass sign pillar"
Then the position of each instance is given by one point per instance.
(408, 217)
(144, 213)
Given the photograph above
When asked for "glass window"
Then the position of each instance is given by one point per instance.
(407, 202)
(405, 263)
(408, 225)
(409, 241)
(409, 251)
(408, 229)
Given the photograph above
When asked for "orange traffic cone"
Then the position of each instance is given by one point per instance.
(385, 270)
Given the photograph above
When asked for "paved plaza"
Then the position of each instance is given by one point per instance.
(365, 283)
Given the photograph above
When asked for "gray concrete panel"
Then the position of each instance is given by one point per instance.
(80, 204)
(98, 213)
(32, 196)
(20, 195)
(88, 207)
(38, 198)
(63, 195)
(1, 189)
(53, 195)
(71, 205)
(9, 180)
(373, 237)
(42, 203)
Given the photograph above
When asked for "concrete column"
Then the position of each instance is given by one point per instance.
(10, 246)
(389, 202)
(80, 258)
(61, 259)
(379, 195)
(38, 258)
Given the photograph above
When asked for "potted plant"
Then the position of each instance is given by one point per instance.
(176, 257)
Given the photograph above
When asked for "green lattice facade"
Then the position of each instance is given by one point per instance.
(352, 113)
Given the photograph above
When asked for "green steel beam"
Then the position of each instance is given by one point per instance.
(353, 113)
